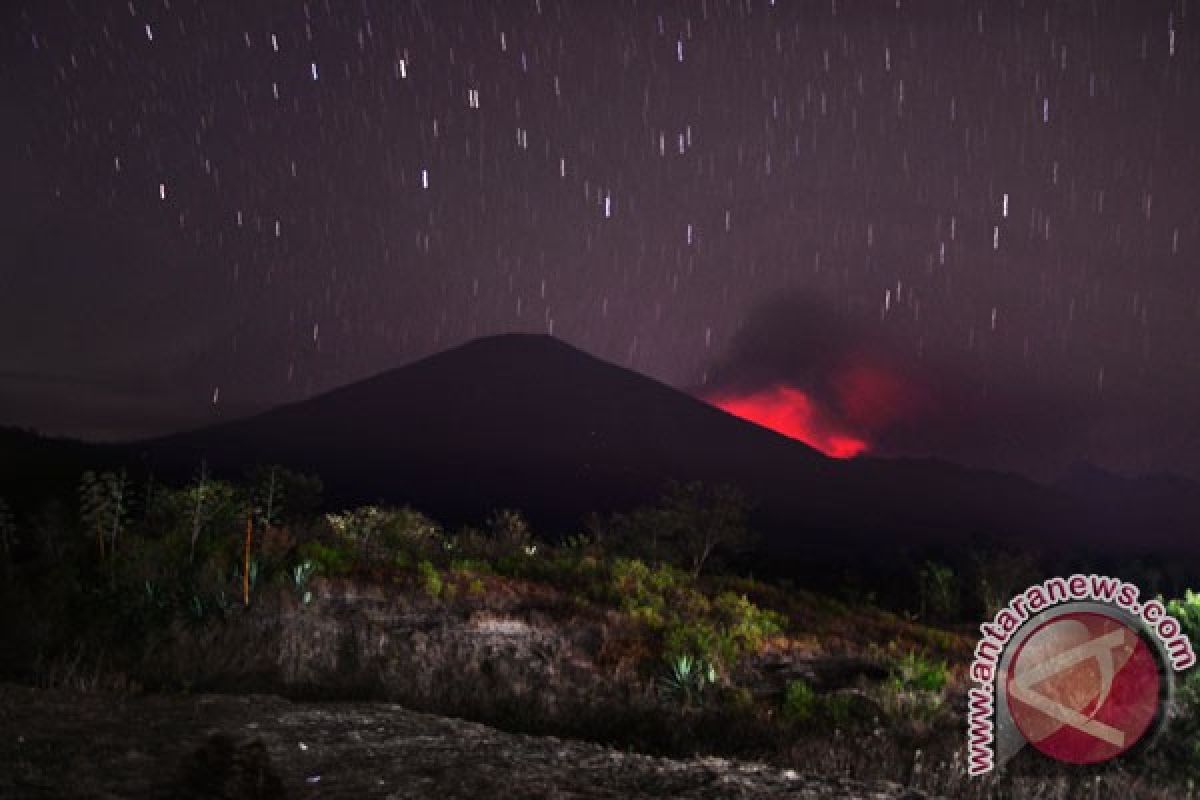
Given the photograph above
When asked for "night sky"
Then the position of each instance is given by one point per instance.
(967, 229)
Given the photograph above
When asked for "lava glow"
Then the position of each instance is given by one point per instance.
(790, 411)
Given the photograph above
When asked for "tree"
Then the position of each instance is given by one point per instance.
(200, 490)
(691, 522)
(938, 590)
(999, 576)
(509, 531)
(281, 496)
(103, 507)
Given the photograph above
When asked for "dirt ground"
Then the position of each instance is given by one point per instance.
(60, 744)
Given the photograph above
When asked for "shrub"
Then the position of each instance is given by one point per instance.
(799, 702)
(633, 583)
(699, 640)
(430, 579)
(690, 523)
(914, 690)
(328, 560)
(802, 705)
(687, 678)
(938, 591)
(1187, 611)
(300, 575)
(1180, 746)
(839, 709)
(745, 623)
(914, 671)
(735, 628)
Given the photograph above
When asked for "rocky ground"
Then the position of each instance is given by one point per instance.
(61, 744)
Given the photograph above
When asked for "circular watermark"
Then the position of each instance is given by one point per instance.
(1084, 686)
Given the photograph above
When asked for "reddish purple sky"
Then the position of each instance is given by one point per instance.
(214, 208)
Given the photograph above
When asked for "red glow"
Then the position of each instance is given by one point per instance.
(790, 411)
(872, 398)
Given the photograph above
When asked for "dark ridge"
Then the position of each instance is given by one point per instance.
(529, 422)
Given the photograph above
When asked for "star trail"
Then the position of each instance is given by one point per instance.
(214, 208)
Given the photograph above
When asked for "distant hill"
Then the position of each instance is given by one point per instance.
(529, 422)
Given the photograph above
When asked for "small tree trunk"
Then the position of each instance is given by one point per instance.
(246, 559)
(116, 523)
(199, 508)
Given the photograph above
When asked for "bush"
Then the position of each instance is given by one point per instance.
(690, 523)
(1180, 746)
(633, 584)
(915, 672)
(799, 702)
(688, 679)
(699, 640)
(1187, 611)
(328, 560)
(430, 579)
(914, 691)
(746, 624)
(938, 591)
(735, 628)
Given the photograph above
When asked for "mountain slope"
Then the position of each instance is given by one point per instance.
(514, 420)
(530, 422)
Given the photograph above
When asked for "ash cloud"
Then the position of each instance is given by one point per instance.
(873, 379)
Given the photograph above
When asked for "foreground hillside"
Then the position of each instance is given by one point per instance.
(59, 744)
(645, 631)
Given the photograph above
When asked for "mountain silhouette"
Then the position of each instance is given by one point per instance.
(529, 422)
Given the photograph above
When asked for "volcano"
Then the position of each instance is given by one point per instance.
(529, 422)
(517, 420)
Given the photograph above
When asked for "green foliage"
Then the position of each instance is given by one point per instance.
(747, 625)
(380, 534)
(509, 530)
(104, 507)
(803, 706)
(635, 585)
(690, 523)
(915, 672)
(839, 709)
(735, 627)
(1181, 744)
(202, 518)
(1187, 611)
(938, 590)
(998, 576)
(800, 704)
(915, 689)
(687, 679)
(700, 640)
(665, 599)
(430, 579)
(329, 560)
(280, 496)
(301, 573)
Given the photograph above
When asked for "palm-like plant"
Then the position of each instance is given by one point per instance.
(687, 678)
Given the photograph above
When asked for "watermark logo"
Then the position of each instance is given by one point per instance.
(1076, 667)
(1083, 687)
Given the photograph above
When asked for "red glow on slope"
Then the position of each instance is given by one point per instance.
(790, 411)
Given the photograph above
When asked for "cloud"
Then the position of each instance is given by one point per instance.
(869, 380)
